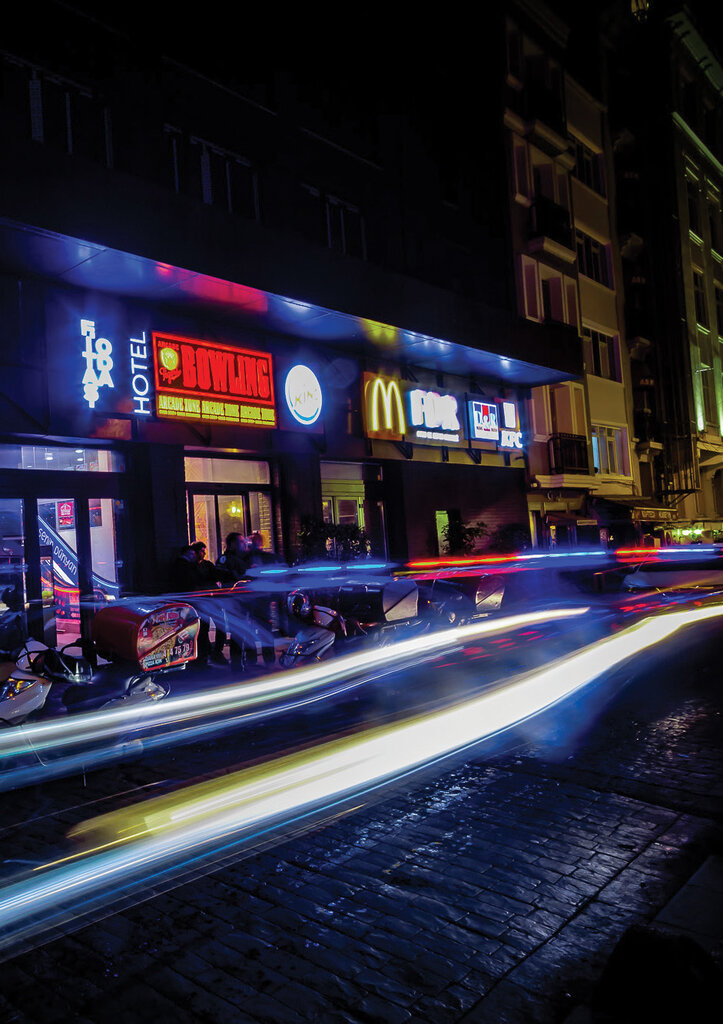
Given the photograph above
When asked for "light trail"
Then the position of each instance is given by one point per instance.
(136, 845)
(92, 727)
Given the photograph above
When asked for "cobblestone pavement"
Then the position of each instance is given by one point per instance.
(493, 893)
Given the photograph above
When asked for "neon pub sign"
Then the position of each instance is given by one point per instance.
(201, 380)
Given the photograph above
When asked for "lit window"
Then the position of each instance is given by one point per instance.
(610, 451)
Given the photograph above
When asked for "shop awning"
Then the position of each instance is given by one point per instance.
(626, 508)
(712, 462)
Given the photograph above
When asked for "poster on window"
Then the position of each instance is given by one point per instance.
(66, 515)
(96, 513)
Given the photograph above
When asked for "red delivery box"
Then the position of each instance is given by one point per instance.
(154, 638)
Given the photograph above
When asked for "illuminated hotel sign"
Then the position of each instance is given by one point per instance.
(128, 366)
(140, 374)
(97, 354)
(199, 380)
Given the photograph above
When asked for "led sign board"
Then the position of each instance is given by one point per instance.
(494, 421)
(483, 424)
(102, 357)
(510, 434)
(383, 408)
(200, 380)
(394, 409)
(435, 413)
(302, 391)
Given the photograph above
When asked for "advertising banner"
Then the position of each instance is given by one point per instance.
(497, 421)
(208, 382)
(396, 409)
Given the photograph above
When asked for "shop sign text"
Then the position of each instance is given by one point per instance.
(494, 421)
(199, 380)
(100, 367)
(302, 391)
(394, 409)
(483, 421)
(436, 413)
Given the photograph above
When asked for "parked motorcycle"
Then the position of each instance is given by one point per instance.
(137, 644)
(375, 613)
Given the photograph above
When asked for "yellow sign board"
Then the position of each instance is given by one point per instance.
(383, 408)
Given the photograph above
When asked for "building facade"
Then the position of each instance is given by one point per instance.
(668, 163)
(583, 478)
(274, 307)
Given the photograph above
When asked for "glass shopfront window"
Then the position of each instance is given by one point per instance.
(13, 598)
(226, 471)
(351, 497)
(76, 460)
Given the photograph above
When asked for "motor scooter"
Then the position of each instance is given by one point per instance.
(367, 614)
(135, 644)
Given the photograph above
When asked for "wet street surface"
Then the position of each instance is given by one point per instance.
(493, 890)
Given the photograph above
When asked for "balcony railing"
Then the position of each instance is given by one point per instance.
(568, 454)
(549, 220)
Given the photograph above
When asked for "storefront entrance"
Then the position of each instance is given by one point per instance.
(228, 496)
(61, 537)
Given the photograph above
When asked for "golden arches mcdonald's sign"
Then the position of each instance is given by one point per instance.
(383, 408)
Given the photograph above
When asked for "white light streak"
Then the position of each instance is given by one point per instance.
(164, 831)
(110, 723)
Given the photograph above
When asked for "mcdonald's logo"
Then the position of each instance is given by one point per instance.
(383, 407)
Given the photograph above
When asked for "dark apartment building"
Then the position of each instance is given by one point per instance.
(666, 102)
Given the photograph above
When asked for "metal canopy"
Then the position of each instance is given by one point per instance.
(25, 249)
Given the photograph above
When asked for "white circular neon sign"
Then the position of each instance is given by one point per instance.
(303, 394)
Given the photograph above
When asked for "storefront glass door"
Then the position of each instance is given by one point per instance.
(12, 568)
(60, 582)
(59, 547)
